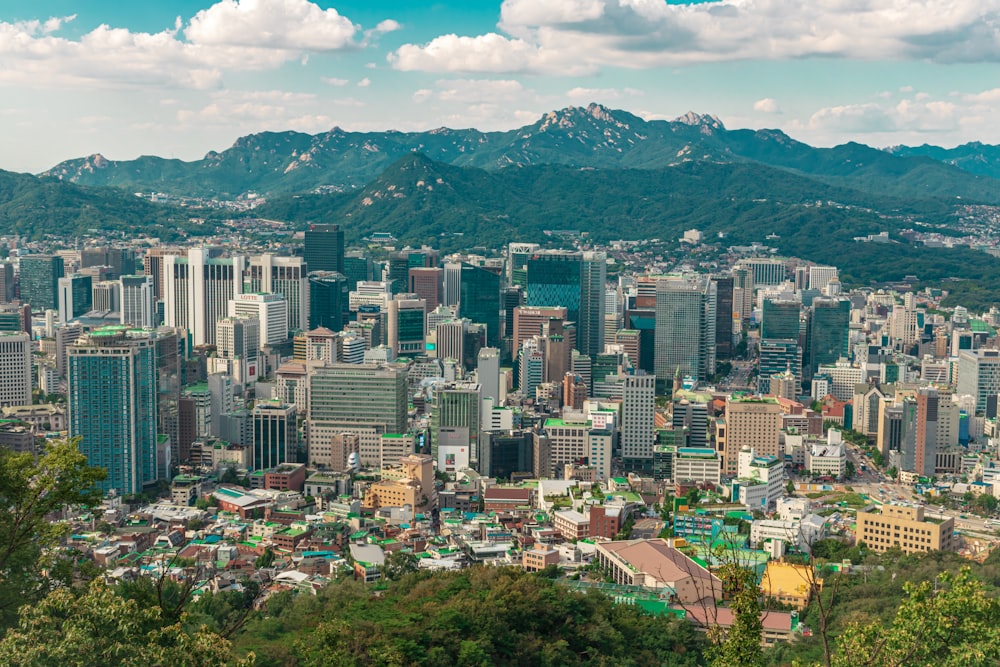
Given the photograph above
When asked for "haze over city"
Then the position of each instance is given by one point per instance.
(180, 78)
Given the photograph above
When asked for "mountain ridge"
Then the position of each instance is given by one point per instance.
(592, 136)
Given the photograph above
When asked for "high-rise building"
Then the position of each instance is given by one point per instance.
(925, 445)
(574, 280)
(271, 310)
(517, 262)
(275, 435)
(75, 296)
(107, 296)
(169, 357)
(287, 276)
(153, 266)
(427, 282)
(6, 282)
(638, 433)
(488, 374)
(39, 276)
(357, 268)
(15, 369)
(780, 319)
(328, 300)
(369, 399)
(979, 376)
(479, 300)
(137, 301)
(222, 395)
(323, 248)
(685, 327)
(723, 318)
(112, 401)
(198, 291)
(753, 423)
(238, 342)
(121, 260)
(829, 331)
(406, 326)
(766, 270)
(777, 356)
(528, 322)
(593, 303)
(455, 424)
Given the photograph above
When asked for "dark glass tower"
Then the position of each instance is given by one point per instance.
(328, 295)
(40, 276)
(324, 248)
(781, 320)
(480, 300)
(828, 331)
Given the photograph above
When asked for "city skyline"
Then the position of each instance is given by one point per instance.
(181, 78)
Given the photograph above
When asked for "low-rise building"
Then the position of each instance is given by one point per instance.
(905, 528)
(572, 525)
(656, 564)
(537, 559)
(789, 584)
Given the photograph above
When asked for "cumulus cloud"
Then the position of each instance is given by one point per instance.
(255, 111)
(766, 105)
(580, 36)
(230, 35)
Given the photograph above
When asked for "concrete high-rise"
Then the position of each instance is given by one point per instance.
(323, 248)
(112, 402)
(925, 446)
(528, 322)
(198, 291)
(121, 260)
(638, 433)
(455, 425)
(153, 266)
(15, 369)
(271, 310)
(427, 282)
(979, 376)
(685, 327)
(346, 397)
(287, 276)
(137, 301)
(750, 422)
(39, 280)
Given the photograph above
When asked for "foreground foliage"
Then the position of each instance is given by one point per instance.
(480, 616)
(99, 627)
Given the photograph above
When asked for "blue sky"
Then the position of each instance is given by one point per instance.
(180, 78)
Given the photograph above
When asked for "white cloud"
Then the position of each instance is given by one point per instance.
(295, 25)
(766, 105)
(580, 36)
(256, 111)
(334, 81)
(364, 83)
(230, 35)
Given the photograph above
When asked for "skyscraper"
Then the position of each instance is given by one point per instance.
(638, 434)
(121, 260)
(287, 276)
(15, 369)
(828, 331)
(75, 295)
(479, 300)
(723, 318)
(574, 280)
(112, 402)
(40, 276)
(323, 248)
(780, 319)
(685, 327)
(455, 424)
(6, 282)
(275, 437)
(328, 299)
(198, 291)
(137, 301)
(271, 310)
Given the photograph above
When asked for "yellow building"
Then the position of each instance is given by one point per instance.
(788, 583)
(411, 484)
(906, 528)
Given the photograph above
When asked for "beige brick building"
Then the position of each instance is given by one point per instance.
(750, 422)
(906, 528)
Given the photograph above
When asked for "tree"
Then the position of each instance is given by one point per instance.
(950, 622)
(31, 490)
(101, 628)
(266, 559)
(987, 503)
(893, 472)
(739, 646)
(849, 470)
(398, 564)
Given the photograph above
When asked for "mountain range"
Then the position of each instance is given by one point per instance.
(593, 136)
